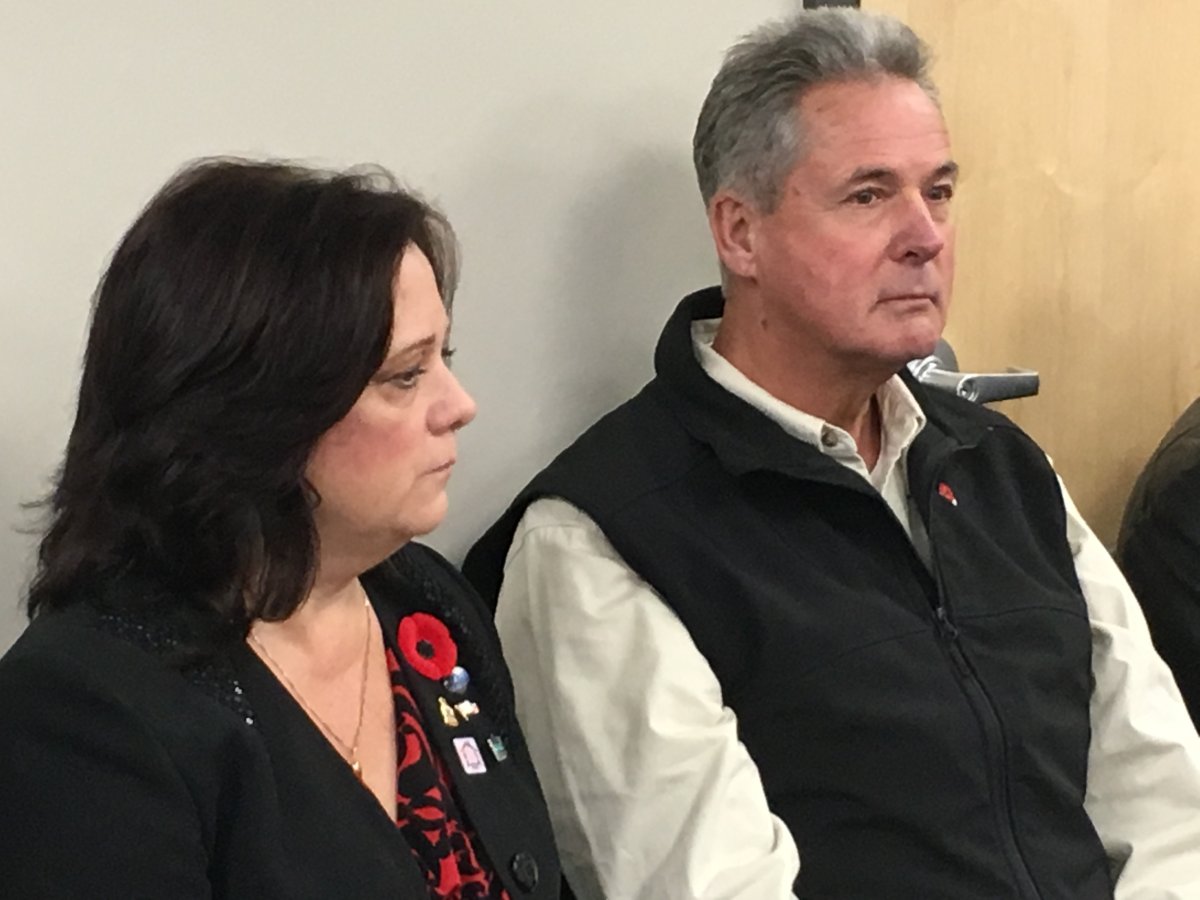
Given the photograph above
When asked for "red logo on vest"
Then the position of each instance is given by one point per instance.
(945, 493)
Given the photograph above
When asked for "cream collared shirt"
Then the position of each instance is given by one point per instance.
(664, 803)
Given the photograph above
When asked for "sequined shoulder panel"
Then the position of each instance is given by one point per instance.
(213, 675)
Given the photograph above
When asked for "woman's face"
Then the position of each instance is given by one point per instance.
(381, 471)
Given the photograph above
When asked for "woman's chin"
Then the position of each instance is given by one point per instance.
(429, 518)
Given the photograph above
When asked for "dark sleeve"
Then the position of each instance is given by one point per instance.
(91, 804)
(1159, 552)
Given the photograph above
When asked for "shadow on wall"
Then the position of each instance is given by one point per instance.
(574, 336)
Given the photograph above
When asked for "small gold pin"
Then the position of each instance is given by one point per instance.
(466, 709)
(447, 712)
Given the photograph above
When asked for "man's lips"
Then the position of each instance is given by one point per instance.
(910, 297)
(444, 467)
(931, 296)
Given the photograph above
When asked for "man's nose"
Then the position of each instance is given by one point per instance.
(920, 235)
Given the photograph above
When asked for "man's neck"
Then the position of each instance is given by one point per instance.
(866, 427)
(844, 398)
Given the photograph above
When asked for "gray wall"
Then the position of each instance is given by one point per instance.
(554, 133)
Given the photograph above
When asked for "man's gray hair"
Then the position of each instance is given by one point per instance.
(748, 134)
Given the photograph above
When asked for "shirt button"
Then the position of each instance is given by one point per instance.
(524, 870)
(829, 440)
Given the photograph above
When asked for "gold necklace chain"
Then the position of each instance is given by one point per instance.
(350, 751)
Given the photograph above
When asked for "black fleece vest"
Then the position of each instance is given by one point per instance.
(922, 735)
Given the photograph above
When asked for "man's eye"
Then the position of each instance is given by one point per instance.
(865, 197)
(941, 192)
(448, 354)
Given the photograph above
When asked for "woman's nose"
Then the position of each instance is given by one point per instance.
(454, 410)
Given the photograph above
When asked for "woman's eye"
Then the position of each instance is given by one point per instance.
(407, 379)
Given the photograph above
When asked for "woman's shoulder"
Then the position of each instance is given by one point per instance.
(129, 660)
(417, 575)
(419, 579)
(78, 641)
(94, 706)
(416, 558)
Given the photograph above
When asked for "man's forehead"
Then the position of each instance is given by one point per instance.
(857, 92)
(886, 123)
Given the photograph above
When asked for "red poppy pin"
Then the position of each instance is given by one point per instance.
(946, 494)
(427, 646)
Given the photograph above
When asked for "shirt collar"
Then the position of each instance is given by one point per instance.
(901, 415)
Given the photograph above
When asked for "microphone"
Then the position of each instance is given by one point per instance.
(940, 370)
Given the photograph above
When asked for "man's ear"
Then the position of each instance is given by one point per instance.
(732, 221)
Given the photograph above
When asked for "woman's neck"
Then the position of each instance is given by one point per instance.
(326, 629)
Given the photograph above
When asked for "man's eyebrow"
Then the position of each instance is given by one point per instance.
(882, 173)
(945, 170)
(877, 173)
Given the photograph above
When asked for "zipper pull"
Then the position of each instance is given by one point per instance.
(948, 629)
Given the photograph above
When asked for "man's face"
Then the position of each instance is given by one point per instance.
(855, 263)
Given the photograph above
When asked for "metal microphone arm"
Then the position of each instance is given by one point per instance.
(941, 371)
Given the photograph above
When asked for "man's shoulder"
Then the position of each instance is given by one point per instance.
(551, 512)
(648, 412)
(959, 416)
(1169, 485)
(553, 525)
(1187, 426)
(630, 452)
(1178, 457)
(627, 452)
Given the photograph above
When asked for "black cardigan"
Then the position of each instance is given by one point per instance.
(126, 773)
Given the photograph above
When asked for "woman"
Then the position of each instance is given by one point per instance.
(242, 678)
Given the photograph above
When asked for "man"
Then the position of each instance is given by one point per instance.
(1159, 551)
(788, 622)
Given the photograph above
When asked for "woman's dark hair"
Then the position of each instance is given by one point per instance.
(241, 316)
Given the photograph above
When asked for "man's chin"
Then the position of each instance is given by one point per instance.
(919, 340)
(895, 358)
(920, 349)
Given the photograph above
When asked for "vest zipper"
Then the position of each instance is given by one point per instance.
(948, 629)
(993, 735)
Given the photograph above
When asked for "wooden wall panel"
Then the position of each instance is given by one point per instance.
(1076, 124)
